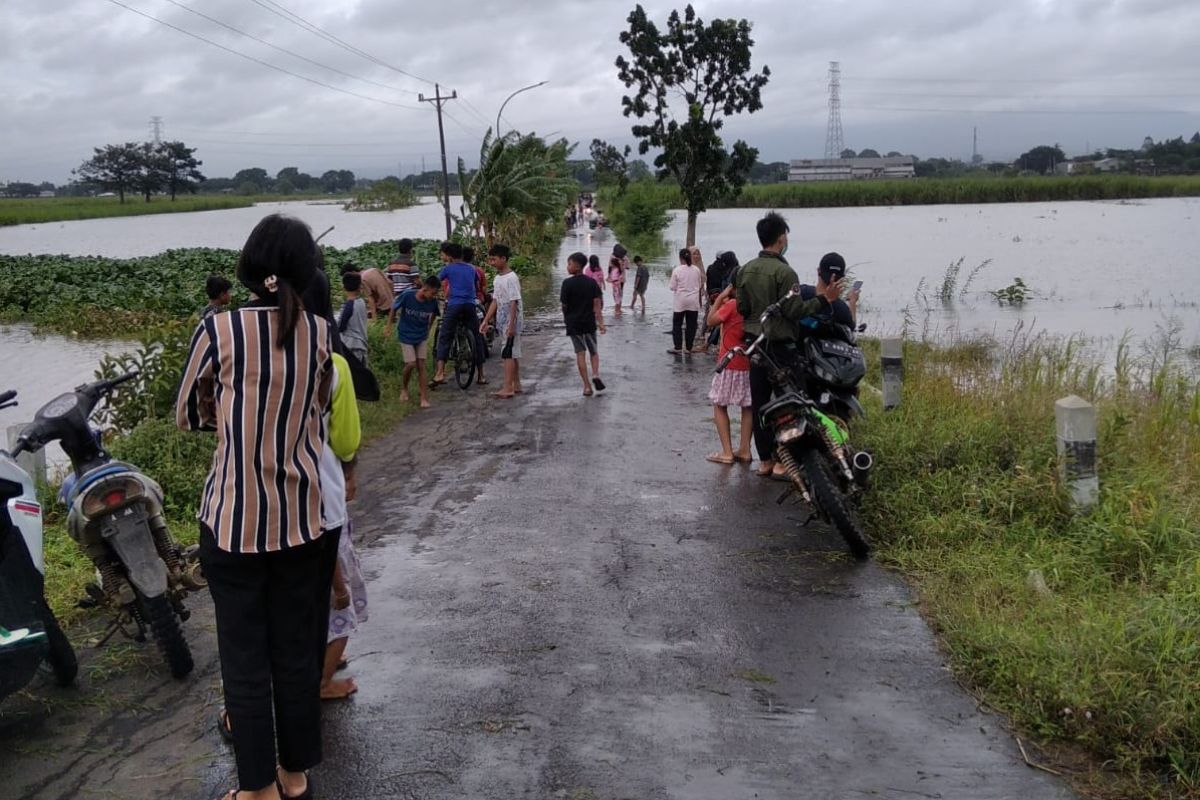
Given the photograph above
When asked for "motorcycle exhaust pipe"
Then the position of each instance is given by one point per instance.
(861, 464)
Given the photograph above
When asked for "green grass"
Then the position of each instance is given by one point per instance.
(54, 209)
(930, 191)
(1084, 628)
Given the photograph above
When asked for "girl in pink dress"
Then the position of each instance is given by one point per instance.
(594, 272)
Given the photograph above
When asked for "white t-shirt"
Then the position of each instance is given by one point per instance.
(505, 289)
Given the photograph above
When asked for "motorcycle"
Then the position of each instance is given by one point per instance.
(29, 632)
(815, 394)
(116, 517)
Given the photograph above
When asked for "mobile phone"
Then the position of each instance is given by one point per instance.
(857, 285)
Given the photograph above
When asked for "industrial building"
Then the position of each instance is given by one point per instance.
(850, 169)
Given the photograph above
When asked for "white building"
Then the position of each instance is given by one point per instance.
(850, 169)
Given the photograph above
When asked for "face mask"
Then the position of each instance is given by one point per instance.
(783, 252)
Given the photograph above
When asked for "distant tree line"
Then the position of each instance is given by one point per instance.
(142, 167)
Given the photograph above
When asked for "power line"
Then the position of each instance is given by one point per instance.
(240, 32)
(267, 64)
(472, 109)
(300, 22)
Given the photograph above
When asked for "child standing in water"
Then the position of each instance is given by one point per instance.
(616, 279)
(731, 387)
(594, 272)
(641, 280)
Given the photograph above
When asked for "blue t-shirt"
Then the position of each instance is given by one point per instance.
(413, 316)
(462, 283)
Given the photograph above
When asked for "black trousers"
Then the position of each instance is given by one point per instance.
(266, 613)
(329, 542)
(455, 315)
(760, 394)
(677, 322)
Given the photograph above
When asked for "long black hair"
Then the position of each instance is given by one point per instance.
(685, 256)
(278, 263)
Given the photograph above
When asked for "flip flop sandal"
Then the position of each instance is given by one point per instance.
(717, 458)
(307, 794)
(599, 384)
(588, 392)
(742, 459)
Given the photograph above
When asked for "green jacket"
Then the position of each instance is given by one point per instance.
(763, 281)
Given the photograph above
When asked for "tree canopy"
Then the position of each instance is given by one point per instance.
(686, 80)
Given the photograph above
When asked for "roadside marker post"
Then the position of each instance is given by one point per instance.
(893, 372)
(1075, 423)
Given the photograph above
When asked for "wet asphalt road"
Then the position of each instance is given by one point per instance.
(567, 601)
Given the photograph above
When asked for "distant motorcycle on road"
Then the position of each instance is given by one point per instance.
(815, 393)
(116, 517)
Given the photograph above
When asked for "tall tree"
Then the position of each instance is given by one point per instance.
(1042, 159)
(152, 172)
(611, 164)
(868, 153)
(113, 168)
(180, 167)
(704, 70)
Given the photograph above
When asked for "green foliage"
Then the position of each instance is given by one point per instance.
(974, 189)
(1042, 159)
(1081, 627)
(111, 297)
(1015, 294)
(708, 68)
(611, 165)
(53, 209)
(522, 185)
(151, 395)
(639, 214)
(384, 195)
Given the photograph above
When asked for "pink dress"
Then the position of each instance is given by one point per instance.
(598, 277)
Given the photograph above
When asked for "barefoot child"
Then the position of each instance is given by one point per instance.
(412, 314)
(640, 281)
(731, 388)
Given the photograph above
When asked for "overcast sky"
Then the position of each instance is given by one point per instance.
(917, 77)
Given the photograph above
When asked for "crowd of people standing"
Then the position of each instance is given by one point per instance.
(276, 541)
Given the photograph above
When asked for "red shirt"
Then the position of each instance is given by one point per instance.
(732, 331)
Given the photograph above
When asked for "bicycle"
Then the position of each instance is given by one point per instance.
(462, 354)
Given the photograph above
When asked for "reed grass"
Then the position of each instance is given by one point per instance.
(1083, 628)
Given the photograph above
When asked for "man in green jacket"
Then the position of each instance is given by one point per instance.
(759, 283)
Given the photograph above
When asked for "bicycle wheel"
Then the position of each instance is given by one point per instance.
(462, 352)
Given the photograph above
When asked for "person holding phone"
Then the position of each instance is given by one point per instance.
(830, 270)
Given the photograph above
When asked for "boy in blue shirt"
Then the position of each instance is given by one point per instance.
(458, 280)
(413, 312)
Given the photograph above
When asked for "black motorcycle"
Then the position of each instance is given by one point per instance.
(816, 392)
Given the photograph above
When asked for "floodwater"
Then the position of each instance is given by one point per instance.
(1099, 269)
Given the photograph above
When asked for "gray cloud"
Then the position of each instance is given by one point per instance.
(918, 78)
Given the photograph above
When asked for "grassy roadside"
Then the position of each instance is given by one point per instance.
(1084, 629)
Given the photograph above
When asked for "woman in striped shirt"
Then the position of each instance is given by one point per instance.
(261, 378)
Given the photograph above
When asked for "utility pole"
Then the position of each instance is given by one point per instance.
(156, 126)
(438, 100)
(974, 146)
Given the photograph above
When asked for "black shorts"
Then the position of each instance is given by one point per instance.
(584, 341)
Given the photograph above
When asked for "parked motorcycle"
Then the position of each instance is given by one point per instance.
(116, 517)
(29, 632)
(815, 394)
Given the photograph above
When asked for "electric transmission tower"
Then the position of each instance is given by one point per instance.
(156, 126)
(833, 132)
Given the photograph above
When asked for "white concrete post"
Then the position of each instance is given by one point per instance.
(893, 371)
(33, 463)
(1075, 421)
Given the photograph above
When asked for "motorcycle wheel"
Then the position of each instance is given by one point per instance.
(61, 655)
(832, 503)
(164, 627)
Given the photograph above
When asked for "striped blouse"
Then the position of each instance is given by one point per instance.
(267, 406)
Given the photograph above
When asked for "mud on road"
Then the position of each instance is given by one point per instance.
(567, 601)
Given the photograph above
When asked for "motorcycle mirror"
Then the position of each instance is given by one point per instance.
(862, 327)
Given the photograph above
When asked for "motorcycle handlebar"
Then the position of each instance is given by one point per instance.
(104, 387)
